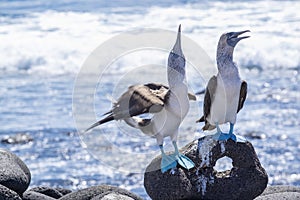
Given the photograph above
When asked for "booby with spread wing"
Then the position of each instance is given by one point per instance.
(225, 93)
(168, 104)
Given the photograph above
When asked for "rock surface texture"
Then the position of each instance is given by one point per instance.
(15, 178)
(102, 192)
(280, 192)
(19, 138)
(14, 174)
(246, 180)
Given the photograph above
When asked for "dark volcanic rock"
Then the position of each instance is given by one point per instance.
(246, 180)
(280, 192)
(51, 192)
(32, 195)
(14, 174)
(95, 192)
(8, 194)
(111, 196)
(20, 138)
(63, 191)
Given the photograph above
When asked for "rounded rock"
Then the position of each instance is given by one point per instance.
(14, 174)
(19, 138)
(7, 194)
(48, 191)
(111, 196)
(246, 180)
(280, 192)
(93, 192)
(63, 191)
(32, 195)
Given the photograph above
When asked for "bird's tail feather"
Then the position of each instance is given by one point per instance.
(102, 121)
(200, 120)
(207, 125)
(200, 92)
(109, 112)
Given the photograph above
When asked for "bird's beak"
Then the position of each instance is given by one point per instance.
(177, 46)
(233, 37)
(179, 34)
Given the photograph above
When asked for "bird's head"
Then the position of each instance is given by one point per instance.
(230, 39)
(176, 60)
(227, 43)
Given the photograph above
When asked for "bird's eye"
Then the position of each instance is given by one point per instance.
(229, 34)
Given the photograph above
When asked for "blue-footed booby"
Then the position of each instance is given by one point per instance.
(225, 93)
(168, 104)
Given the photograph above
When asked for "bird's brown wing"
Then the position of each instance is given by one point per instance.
(243, 95)
(208, 97)
(139, 99)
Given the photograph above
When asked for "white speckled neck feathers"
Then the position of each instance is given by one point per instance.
(226, 66)
(176, 63)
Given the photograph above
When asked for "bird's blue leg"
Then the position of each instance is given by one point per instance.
(236, 138)
(218, 129)
(167, 161)
(231, 128)
(231, 135)
(220, 136)
(183, 160)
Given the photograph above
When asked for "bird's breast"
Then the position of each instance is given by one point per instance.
(225, 102)
(178, 103)
(167, 121)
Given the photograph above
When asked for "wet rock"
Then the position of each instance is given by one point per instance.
(256, 135)
(48, 191)
(14, 174)
(281, 192)
(8, 194)
(281, 196)
(97, 192)
(20, 138)
(32, 195)
(246, 180)
(112, 196)
(63, 191)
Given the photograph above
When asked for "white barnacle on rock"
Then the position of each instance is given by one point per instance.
(202, 183)
(173, 171)
(222, 147)
(205, 147)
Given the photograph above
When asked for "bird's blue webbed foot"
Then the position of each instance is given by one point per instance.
(220, 136)
(170, 161)
(167, 161)
(183, 160)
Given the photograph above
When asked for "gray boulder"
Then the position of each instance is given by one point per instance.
(32, 195)
(101, 192)
(63, 191)
(280, 192)
(246, 180)
(8, 194)
(111, 196)
(19, 138)
(43, 192)
(14, 174)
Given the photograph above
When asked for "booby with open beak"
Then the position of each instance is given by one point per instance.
(225, 93)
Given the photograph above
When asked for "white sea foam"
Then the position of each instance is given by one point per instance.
(58, 42)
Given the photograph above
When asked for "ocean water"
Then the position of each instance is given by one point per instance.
(44, 46)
